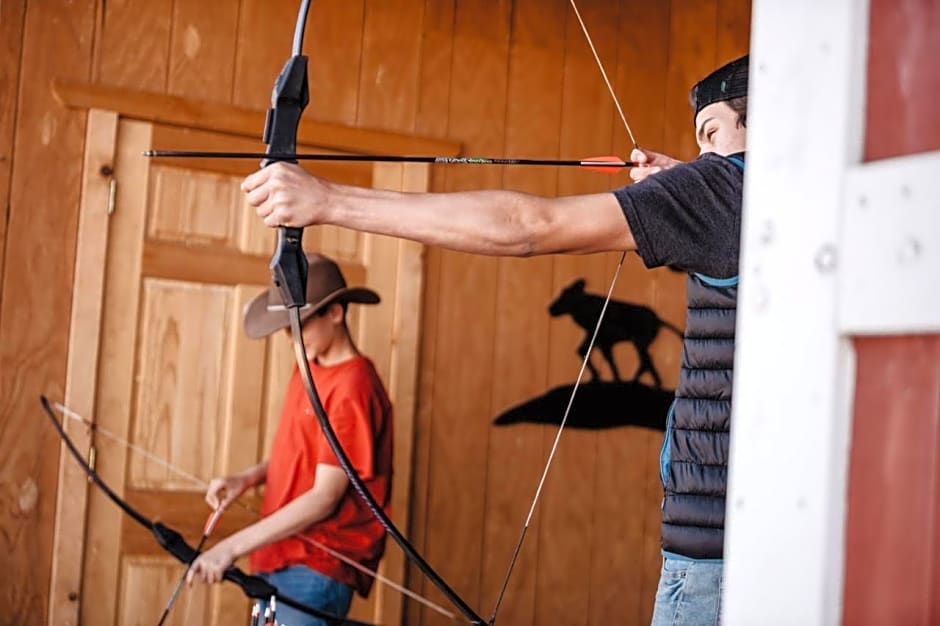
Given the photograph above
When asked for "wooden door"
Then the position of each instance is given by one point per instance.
(167, 367)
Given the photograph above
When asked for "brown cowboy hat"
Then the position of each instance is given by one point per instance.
(325, 284)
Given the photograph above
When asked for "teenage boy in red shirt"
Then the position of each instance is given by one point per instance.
(307, 500)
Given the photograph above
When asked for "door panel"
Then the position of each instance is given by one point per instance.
(196, 398)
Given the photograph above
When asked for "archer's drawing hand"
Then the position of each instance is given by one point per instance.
(210, 566)
(223, 491)
(650, 163)
(283, 194)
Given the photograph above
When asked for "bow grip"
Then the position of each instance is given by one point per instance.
(289, 98)
(253, 586)
(289, 267)
(288, 101)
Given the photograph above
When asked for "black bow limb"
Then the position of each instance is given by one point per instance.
(289, 271)
(172, 541)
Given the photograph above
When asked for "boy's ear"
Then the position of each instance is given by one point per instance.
(336, 312)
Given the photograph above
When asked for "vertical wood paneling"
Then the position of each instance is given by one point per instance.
(524, 288)
(238, 442)
(567, 508)
(115, 391)
(335, 46)
(12, 15)
(391, 47)
(40, 225)
(179, 408)
(637, 541)
(388, 73)
(627, 489)
(503, 78)
(401, 375)
(135, 44)
(83, 361)
(466, 300)
(424, 426)
(692, 48)
(265, 32)
(433, 91)
(194, 207)
(279, 364)
(202, 49)
(565, 530)
(148, 582)
(734, 29)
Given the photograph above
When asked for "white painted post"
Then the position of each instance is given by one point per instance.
(794, 371)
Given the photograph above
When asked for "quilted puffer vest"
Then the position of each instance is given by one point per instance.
(694, 461)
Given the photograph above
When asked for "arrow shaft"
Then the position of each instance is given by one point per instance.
(596, 162)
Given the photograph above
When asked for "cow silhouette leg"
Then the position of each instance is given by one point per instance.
(582, 351)
(608, 353)
(646, 365)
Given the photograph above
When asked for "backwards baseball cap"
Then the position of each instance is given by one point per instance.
(726, 83)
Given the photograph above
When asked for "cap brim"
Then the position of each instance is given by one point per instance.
(260, 321)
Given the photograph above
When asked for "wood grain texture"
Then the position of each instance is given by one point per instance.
(203, 38)
(692, 55)
(135, 44)
(498, 77)
(12, 15)
(404, 278)
(82, 367)
(181, 349)
(521, 334)
(198, 208)
(466, 300)
(195, 112)
(116, 387)
(41, 190)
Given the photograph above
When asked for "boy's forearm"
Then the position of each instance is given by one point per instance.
(495, 223)
(255, 475)
(499, 223)
(299, 514)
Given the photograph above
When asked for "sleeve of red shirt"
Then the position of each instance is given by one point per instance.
(352, 421)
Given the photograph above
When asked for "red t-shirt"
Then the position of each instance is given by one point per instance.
(361, 414)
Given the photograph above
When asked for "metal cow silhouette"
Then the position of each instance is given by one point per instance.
(623, 322)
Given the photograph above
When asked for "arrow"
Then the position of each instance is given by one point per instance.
(604, 164)
(210, 526)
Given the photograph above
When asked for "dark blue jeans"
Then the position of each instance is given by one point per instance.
(310, 587)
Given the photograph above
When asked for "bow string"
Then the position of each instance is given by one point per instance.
(290, 97)
(587, 355)
(172, 541)
(289, 271)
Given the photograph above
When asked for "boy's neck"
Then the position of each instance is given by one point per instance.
(341, 350)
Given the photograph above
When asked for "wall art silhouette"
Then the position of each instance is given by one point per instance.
(604, 403)
(623, 322)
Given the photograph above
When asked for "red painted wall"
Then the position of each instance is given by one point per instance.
(893, 529)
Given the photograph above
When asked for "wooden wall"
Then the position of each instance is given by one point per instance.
(504, 78)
